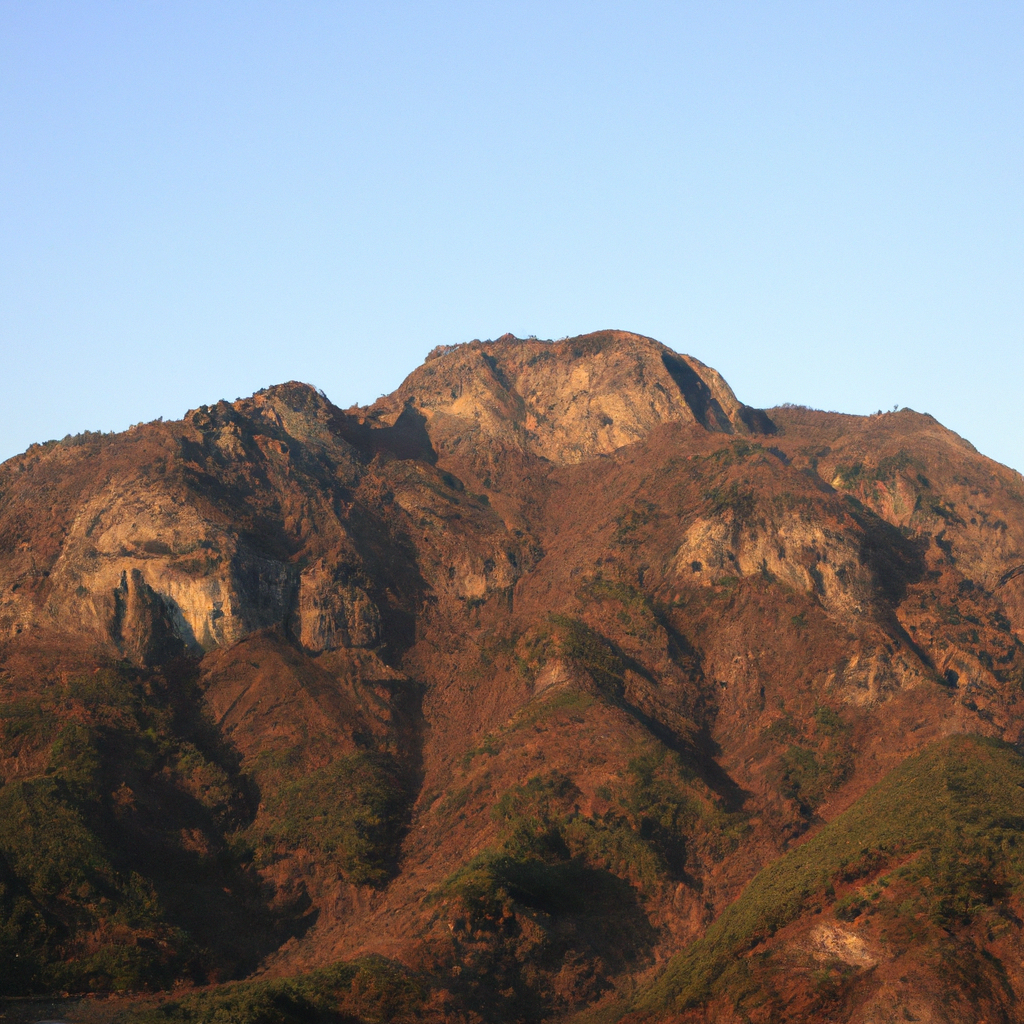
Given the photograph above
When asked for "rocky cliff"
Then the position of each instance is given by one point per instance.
(511, 682)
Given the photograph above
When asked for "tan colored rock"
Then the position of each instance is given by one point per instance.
(831, 940)
(334, 612)
(566, 401)
(803, 554)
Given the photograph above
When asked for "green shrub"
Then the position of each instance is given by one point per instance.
(630, 522)
(613, 845)
(25, 720)
(75, 761)
(109, 688)
(534, 864)
(571, 702)
(56, 878)
(48, 845)
(547, 850)
(532, 816)
(576, 641)
(660, 805)
(807, 774)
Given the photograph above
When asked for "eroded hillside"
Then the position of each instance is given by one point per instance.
(510, 682)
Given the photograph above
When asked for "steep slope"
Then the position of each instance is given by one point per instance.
(515, 678)
(905, 905)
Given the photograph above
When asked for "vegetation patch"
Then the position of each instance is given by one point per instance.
(548, 851)
(575, 641)
(372, 988)
(630, 523)
(735, 452)
(84, 871)
(570, 639)
(352, 812)
(573, 703)
(59, 884)
(959, 805)
(637, 615)
(808, 769)
(25, 723)
(739, 503)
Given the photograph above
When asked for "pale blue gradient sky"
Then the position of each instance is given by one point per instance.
(824, 201)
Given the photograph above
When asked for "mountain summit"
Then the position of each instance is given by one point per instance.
(568, 400)
(557, 681)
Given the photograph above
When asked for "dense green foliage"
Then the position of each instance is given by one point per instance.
(542, 861)
(959, 805)
(79, 904)
(807, 770)
(57, 877)
(352, 811)
(551, 857)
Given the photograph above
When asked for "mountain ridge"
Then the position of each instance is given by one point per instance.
(398, 681)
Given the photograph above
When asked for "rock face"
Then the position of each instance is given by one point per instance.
(334, 613)
(566, 401)
(516, 677)
(185, 530)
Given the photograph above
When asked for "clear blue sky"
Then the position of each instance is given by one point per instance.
(825, 201)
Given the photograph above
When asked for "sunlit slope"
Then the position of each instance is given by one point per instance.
(933, 855)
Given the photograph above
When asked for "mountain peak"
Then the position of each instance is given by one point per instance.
(567, 400)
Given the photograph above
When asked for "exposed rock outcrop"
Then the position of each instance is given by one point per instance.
(334, 612)
(569, 400)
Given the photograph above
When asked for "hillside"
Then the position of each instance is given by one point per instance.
(549, 684)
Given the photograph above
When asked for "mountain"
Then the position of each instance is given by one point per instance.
(557, 683)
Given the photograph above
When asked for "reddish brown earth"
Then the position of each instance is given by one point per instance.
(574, 589)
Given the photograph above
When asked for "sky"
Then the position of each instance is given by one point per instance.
(824, 201)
